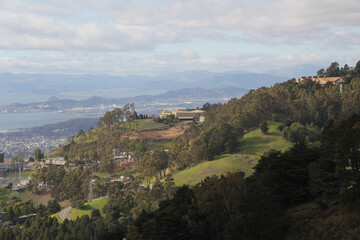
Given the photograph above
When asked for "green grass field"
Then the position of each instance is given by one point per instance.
(56, 215)
(86, 210)
(254, 144)
(28, 195)
(221, 165)
(4, 194)
(257, 143)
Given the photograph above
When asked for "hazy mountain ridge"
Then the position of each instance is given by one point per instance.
(195, 96)
(43, 84)
(296, 71)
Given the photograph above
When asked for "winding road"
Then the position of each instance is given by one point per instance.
(64, 214)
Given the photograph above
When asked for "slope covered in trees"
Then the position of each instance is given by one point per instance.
(270, 204)
(262, 206)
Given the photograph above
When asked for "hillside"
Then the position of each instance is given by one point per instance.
(253, 145)
(307, 189)
(137, 136)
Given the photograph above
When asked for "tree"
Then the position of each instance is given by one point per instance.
(264, 127)
(53, 207)
(333, 70)
(342, 141)
(80, 132)
(107, 165)
(38, 155)
(320, 73)
(357, 68)
(18, 157)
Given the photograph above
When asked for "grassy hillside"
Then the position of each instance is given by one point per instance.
(257, 143)
(254, 144)
(28, 195)
(4, 194)
(86, 210)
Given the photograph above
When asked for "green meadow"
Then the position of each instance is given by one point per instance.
(254, 144)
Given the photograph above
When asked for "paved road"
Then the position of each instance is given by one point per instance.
(65, 213)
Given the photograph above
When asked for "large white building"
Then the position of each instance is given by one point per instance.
(183, 114)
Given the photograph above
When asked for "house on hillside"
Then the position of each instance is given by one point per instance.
(58, 161)
(120, 156)
(321, 80)
(183, 114)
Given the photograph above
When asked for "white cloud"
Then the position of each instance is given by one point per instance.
(121, 36)
(136, 25)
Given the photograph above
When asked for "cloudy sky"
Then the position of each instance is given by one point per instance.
(122, 37)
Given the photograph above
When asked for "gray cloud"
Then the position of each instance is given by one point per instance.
(160, 62)
(124, 37)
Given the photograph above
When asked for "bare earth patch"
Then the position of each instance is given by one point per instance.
(166, 133)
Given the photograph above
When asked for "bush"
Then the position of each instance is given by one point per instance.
(275, 117)
(299, 133)
(288, 123)
(264, 127)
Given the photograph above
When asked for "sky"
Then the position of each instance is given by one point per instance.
(149, 37)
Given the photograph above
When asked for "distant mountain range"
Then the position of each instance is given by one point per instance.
(150, 104)
(296, 71)
(53, 84)
(185, 89)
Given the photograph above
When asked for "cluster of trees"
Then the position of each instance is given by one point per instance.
(97, 145)
(47, 227)
(218, 140)
(256, 208)
(166, 120)
(154, 164)
(304, 103)
(63, 185)
(127, 200)
(193, 213)
(16, 208)
(334, 70)
(116, 116)
(297, 132)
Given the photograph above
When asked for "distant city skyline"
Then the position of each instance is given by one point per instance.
(150, 37)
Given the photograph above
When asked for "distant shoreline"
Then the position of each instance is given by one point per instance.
(15, 122)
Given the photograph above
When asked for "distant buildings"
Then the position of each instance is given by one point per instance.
(120, 156)
(58, 161)
(183, 114)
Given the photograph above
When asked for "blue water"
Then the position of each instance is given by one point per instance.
(12, 121)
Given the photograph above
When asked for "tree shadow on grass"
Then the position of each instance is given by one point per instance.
(255, 145)
(86, 207)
